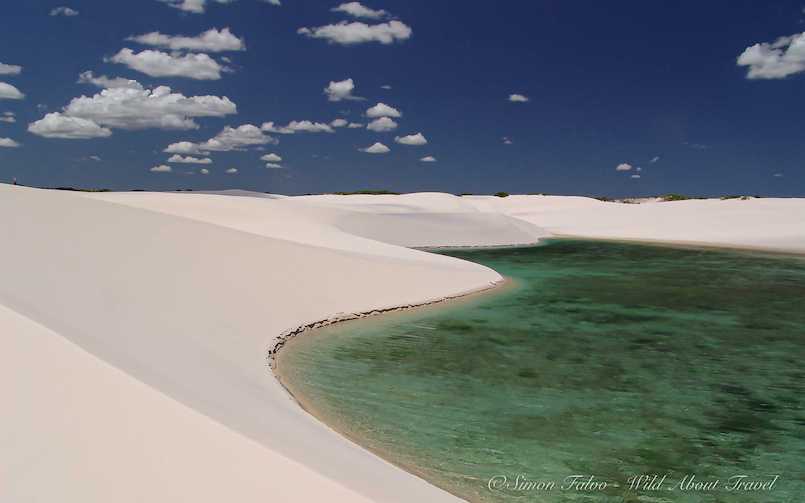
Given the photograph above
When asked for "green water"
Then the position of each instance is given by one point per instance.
(606, 360)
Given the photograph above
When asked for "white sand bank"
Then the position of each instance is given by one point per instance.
(768, 223)
(135, 326)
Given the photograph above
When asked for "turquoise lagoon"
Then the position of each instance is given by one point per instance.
(603, 360)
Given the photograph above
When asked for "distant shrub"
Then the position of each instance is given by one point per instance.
(369, 192)
(502, 194)
(79, 189)
(605, 199)
(675, 197)
(466, 194)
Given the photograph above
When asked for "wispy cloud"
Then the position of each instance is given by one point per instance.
(189, 159)
(10, 69)
(356, 9)
(64, 11)
(293, 127)
(345, 33)
(212, 40)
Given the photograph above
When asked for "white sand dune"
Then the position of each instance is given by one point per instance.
(135, 326)
(768, 224)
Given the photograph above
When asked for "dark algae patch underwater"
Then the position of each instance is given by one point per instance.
(608, 361)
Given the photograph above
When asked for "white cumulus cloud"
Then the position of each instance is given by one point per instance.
(345, 33)
(341, 90)
(56, 125)
(9, 92)
(377, 148)
(623, 167)
(518, 98)
(211, 40)
(775, 60)
(231, 171)
(339, 123)
(182, 147)
(382, 110)
(189, 159)
(382, 125)
(356, 9)
(131, 109)
(429, 158)
(654, 159)
(412, 139)
(163, 64)
(239, 138)
(355, 125)
(8, 117)
(162, 168)
(271, 158)
(230, 138)
(10, 69)
(105, 82)
(8, 143)
(273, 165)
(297, 127)
(204, 171)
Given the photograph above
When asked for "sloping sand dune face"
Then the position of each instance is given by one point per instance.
(82, 430)
(189, 308)
(135, 326)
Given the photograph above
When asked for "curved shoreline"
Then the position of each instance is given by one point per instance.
(286, 336)
(309, 330)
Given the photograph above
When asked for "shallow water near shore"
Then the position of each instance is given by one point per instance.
(607, 360)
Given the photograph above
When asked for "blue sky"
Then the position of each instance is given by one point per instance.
(608, 85)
